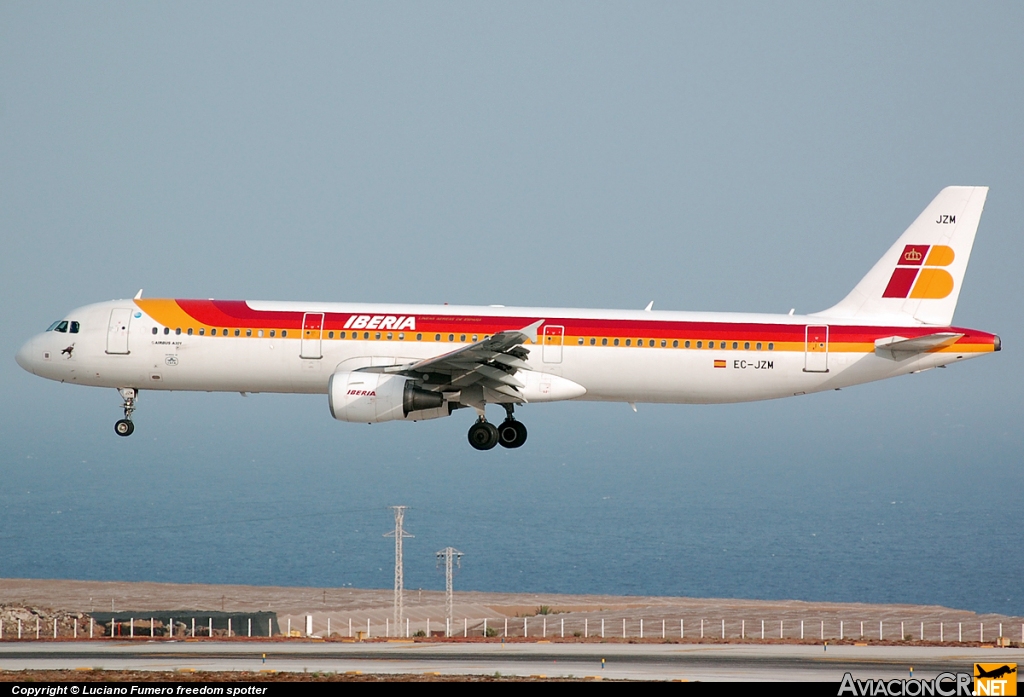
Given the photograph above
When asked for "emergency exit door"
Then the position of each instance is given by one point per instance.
(312, 332)
(552, 349)
(816, 349)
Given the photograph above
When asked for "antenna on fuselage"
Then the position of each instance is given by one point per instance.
(649, 306)
(139, 294)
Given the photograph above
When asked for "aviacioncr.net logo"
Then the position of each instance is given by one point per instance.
(945, 685)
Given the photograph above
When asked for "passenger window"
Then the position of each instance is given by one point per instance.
(771, 346)
(366, 335)
(154, 330)
(665, 343)
(248, 332)
(722, 344)
(167, 330)
(342, 335)
(604, 342)
(462, 337)
(676, 343)
(437, 337)
(178, 331)
(580, 341)
(259, 333)
(190, 331)
(616, 342)
(74, 327)
(735, 344)
(419, 337)
(758, 345)
(284, 333)
(627, 341)
(746, 344)
(238, 332)
(330, 335)
(390, 335)
(376, 335)
(273, 332)
(401, 336)
(593, 341)
(202, 331)
(699, 345)
(474, 338)
(451, 337)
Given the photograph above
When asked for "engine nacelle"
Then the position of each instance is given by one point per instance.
(371, 398)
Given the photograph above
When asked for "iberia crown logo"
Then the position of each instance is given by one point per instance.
(917, 276)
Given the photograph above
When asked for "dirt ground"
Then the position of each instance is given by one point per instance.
(21, 676)
(337, 611)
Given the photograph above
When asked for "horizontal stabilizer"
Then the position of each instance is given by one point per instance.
(898, 348)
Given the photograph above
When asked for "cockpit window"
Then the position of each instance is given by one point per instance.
(62, 326)
(53, 326)
(74, 327)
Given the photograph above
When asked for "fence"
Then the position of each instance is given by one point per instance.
(550, 626)
(264, 624)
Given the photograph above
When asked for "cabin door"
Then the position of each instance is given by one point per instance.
(552, 347)
(117, 330)
(312, 332)
(816, 349)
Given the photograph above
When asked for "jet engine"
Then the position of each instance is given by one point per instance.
(371, 398)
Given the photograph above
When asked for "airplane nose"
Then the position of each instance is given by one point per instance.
(24, 356)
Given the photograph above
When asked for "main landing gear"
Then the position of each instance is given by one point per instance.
(125, 427)
(483, 435)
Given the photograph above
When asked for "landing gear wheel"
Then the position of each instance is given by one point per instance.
(124, 427)
(483, 435)
(512, 433)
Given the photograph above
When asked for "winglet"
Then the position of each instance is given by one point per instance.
(531, 330)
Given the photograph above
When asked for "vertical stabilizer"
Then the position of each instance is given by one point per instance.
(918, 280)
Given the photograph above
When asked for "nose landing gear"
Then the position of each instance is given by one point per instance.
(125, 427)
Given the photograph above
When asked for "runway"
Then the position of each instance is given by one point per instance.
(705, 662)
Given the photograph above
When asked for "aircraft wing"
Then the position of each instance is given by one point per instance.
(898, 348)
(489, 365)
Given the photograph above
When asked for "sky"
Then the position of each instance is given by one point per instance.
(706, 156)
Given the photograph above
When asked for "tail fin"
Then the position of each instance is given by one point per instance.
(918, 280)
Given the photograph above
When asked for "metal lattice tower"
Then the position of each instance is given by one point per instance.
(398, 533)
(448, 554)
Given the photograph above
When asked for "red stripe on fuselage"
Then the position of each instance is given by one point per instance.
(238, 314)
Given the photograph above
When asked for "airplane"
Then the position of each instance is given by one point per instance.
(379, 363)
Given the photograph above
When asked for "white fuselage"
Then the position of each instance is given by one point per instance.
(781, 358)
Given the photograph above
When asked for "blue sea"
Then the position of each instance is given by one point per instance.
(833, 497)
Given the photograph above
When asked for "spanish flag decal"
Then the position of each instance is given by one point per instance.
(719, 364)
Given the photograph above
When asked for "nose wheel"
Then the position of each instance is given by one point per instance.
(124, 427)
